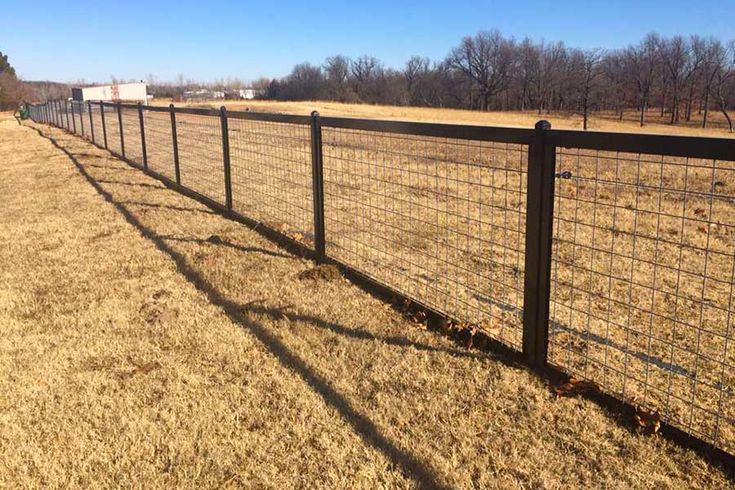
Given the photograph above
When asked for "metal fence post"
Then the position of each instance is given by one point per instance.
(175, 139)
(73, 119)
(142, 135)
(57, 106)
(226, 157)
(66, 110)
(539, 225)
(122, 134)
(317, 173)
(104, 126)
(91, 122)
(81, 116)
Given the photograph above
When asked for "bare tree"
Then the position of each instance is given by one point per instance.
(642, 60)
(486, 59)
(337, 72)
(724, 76)
(591, 72)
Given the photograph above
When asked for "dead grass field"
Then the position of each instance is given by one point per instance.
(600, 122)
(643, 253)
(137, 352)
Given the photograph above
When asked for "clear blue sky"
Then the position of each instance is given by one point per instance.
(206, 40)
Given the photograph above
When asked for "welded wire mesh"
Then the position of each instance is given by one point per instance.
(131, 133)
(112, 126)
(642, 283)
(159, 142)
(200, 154)
(439, 220)
(271, 175)
(99, 137)
(79, 122)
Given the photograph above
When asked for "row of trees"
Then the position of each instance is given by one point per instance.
(680, 77)
(11, 89)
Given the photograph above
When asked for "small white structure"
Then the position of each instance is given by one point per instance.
(133, 92)
(247, 93)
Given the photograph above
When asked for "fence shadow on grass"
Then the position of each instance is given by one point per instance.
(412, 467)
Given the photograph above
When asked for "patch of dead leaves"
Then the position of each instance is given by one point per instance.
(648, 420)
(324, 272)
(574, 386)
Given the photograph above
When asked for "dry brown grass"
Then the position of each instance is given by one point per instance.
(600, 122)
(642, 263)
(137, 353)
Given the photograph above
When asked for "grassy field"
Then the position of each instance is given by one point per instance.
(643, 252)
(598, 121)
(140, 351)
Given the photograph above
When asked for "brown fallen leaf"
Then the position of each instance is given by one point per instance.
(649, 421)
(575, 386)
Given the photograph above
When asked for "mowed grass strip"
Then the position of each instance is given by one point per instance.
(149, 342)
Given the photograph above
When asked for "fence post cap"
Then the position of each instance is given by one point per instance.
(543, 124)
(171, 106)
(314, 113)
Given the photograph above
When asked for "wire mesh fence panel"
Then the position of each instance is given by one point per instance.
(159, 143)
(112, 125)
(200, 154)
(440, 220)
(271, 175)
(99, 137)
(76, 117)
(642, 283)
(131, 134)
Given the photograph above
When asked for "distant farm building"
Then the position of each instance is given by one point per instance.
(203, 94)
(128, 92)
(247, 93)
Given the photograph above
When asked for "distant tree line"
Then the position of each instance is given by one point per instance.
(682, 77)
(12, 89)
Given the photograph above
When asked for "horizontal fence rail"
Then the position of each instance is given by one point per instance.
(607, 256)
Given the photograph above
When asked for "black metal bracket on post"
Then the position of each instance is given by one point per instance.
(317, 172)
(175, 138)
(539, 228)
(91, 122)
(142, 135)
(104, 126)
(226, 157)
(122, 133)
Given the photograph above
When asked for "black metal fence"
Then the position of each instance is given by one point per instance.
(607, 256)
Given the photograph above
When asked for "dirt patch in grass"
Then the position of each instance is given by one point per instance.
(260, 380)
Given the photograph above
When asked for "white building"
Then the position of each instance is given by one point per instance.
(247, 93)
(129, 92)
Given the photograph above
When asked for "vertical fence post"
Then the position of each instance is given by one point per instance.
(81, 116)
(66, 110)
(122, 134)
(175, 139)
(73, 119)
(91, 122)
(142, 135)
(539, 226)
(56, 113)
(226, 157)
(317, 174)
(104, 126)
(57, 106)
